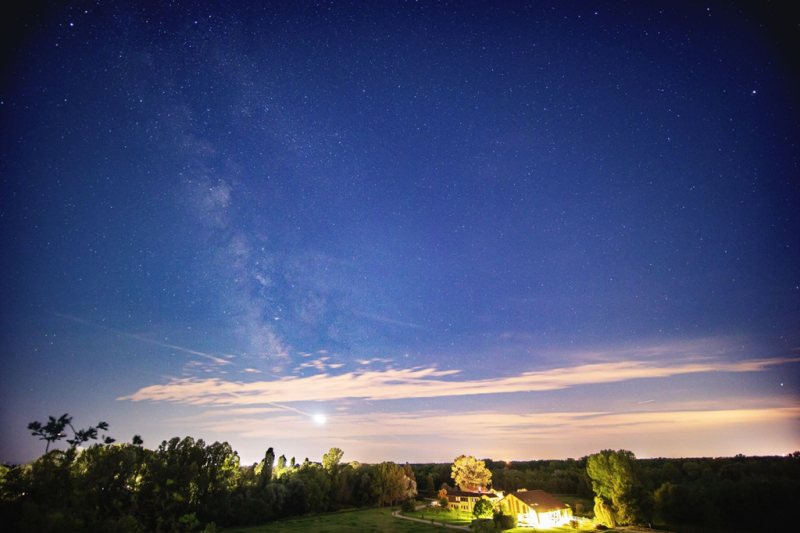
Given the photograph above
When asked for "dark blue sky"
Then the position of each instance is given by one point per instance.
(220, 220)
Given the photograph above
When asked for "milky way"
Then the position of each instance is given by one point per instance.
(551, 227)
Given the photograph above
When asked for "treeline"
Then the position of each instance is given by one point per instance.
(731, 494)
(720, 494)
(715, 494)
(185, 485)
(556, 477)
(735, 493)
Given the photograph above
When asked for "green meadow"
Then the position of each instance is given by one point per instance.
(357, 521)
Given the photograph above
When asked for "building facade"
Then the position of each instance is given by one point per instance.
(460, 500)
(536, 508)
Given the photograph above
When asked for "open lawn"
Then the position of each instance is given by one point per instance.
(456, 518)
(378, 521)
(555, 530)
(358, 521)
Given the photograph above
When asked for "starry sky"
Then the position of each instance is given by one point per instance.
(516, 230)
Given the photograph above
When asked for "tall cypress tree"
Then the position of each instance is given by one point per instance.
(265, 476)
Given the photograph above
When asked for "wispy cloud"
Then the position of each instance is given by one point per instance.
(147, 340)
(319, 364)
(390, 321)
(396, 384)
(373, 360)
(708, 348)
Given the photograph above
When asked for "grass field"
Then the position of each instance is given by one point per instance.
(376, 521)
(381, 520)
(555, 530)
(456, 518)
(359, 521)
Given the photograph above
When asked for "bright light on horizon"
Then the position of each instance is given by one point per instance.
(320, 419)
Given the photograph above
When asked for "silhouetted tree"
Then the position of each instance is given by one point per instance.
(54, 431)
(264, 473)
(281, 468)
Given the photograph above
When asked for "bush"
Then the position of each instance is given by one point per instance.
(409, 505)
(483, 509)
(504, 521)
(482, 525)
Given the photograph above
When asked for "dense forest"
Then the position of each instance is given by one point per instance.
(185, 485)
(188, 485)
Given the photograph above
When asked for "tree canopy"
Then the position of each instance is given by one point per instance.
(182, 485)
(483, 509)
(390, 483)
(619, 486)
(469, 472)
(330, 461)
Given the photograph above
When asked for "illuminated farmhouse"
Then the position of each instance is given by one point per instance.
(536, 508)
(465, 500)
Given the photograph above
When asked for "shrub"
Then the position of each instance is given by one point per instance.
(482, 525)
(504, 521)
(483, 509)
(409, 505)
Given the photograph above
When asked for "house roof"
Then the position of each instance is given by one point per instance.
(539, 501)
(471, 494)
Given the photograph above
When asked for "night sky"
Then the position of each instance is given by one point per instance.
(516, 230)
